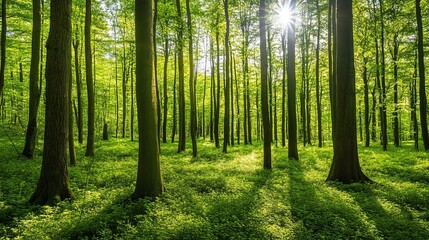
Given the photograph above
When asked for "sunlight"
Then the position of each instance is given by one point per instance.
(283, 15)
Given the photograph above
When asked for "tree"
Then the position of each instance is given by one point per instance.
(149, 181)
(31, 134)
(318, 90)
(89, 81)
(422, 87)
(78, 110)
(227, 82)
(192, 93)
(345, 164)
(53, 184)
(292, 143)
(3, 44)
(264, 85)
(182, 116)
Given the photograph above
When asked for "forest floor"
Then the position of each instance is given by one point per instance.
(221, 196)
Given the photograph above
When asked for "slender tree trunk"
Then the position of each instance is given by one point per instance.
(164, 123)
(270, 79)
(31, 134)
(79, 119)
(413, 101)
(366, 101)
(132, 104)
(283, 89)
(227, 83)
(53, 184)
(3, 44)
(237, 98)
(149, 180)
(89, 81)
(231, 68)
(318, 90)
(422, 86)
(264, 85)
(72, 152)
(383, 82)
(292, 143)
(192, 97)
(374, 115)
(124, 88)
(174, 130)
(332, 49)
(212, 91)
(204, 93)
(345, 165)
(217, 108)
(182, 116)
(395, 90)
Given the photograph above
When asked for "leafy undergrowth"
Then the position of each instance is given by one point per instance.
(221, 196)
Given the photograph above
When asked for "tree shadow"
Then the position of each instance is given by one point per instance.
(392, 220)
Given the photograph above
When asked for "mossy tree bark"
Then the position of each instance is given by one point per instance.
(31, 134)
(149, 181)
(53, 184)
(345, 165)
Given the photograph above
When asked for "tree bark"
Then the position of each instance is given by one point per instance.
(292, 126)
(192, 97)
(3, 44)
(345, 166)
(182, 116)
(227, 83)
(164, 122)
(318, 90)
(79, 119)
(422, 87)
(264, 85)
(149, 180)
(89, 81)
(53, 184)
(31, 134)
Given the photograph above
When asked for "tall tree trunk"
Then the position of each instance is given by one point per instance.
(366, 101)
(33, 108)
(292, 143)
(422, 87)
(374, 115)
(124, 88)
(72, 152)
(237, 98)
(212, 91)
(192, 97)
(89, 81)
(174, 130)
(332, 50)
(413, 94)
(149, 180)
(227, 82)
(395, 90)
(182, 116)
(283, 89)
(3, 44)
(383, 82)
(217, 108)
(132, 104)
(53, 184)
(270, 79)
(345, 165)
(318, 90)
(79, 119)
(231, 68)
(264, 85)
(164, 120)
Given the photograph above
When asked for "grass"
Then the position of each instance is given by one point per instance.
(221, 196)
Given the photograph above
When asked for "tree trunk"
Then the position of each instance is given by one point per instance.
(89, 82)
(217, 107)
(366, 101)
(422, 87)
(345, 166)
(283, 89)
(237, 98)
(149, 180)
(182, 116)
(292, 143)
(53, 184)
(173, 131)
(264, 85)
(124, 89)
(31, 134)
(72, 152)
(395, 90)
(192, 97)
(132, 104)
(227, 82)
(164, 123)
(413, 93)
(318, 90)
(3, 44)
(79, 119)
(383, 83)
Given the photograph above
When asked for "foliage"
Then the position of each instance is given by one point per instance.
(221, 196)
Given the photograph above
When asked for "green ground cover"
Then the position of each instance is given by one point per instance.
(221, 196)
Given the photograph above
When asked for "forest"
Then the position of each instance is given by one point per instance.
(216, 119)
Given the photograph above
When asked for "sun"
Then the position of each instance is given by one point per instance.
(283, 15)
